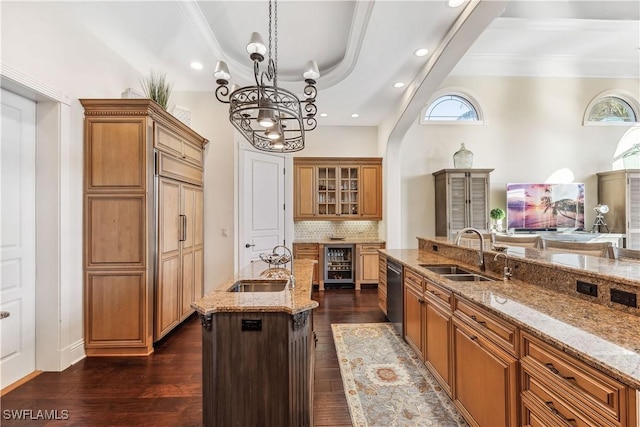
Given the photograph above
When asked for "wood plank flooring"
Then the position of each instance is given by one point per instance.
(165, 389)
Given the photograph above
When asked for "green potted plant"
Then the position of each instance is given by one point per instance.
(157, 88)
(497, 215)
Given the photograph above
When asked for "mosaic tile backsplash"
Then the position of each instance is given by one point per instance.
(325, 229)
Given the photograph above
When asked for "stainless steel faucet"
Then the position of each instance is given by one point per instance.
(507, 272)
(480, 238)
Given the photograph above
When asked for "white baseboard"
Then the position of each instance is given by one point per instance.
(76, 352)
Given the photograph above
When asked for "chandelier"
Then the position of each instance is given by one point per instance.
(271, 118)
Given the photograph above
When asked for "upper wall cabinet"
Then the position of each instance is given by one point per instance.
(620, 191)
(331, 188)
(462, 200)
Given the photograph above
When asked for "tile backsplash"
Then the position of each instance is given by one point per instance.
(324, 229)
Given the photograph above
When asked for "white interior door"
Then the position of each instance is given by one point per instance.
(17, 238)
(261, 205)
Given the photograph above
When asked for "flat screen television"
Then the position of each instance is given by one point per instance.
(545, 207)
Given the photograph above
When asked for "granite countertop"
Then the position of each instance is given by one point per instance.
(290, 301)
(602, 337)
(347, 240)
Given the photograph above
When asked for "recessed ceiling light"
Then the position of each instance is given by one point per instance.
(196, 65)
(354, 115)
(323, 114)
(398, 84)
(421, 52)
(455, 3)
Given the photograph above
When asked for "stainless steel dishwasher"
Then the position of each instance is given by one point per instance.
(395, 305)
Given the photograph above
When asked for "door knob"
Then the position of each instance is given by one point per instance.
(248, 245)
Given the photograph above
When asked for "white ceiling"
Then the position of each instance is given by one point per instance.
(363, 47)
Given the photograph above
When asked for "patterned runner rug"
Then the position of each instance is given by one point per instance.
(385, 382)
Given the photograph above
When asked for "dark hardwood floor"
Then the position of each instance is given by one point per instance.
(165, 389)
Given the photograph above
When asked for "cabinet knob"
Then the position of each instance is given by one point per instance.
(247, 245)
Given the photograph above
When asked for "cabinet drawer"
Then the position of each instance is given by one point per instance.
(438, 293)
(597, 391)
(170, 143)
(306, 249)
(192, 153)
(371, 248)
(413, 279)
(548, 403)
(502, 333)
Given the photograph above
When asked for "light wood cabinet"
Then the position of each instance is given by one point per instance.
(414, 311)
(438, 329)
(560, 387)
(620, 191)
(485, 367)
(368, 263)
(461, 200)
(331, 188)
(143, 224)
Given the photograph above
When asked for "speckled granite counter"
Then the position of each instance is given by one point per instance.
(288, 301)
(602, 337)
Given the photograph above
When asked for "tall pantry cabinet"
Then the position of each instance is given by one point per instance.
(620, 191)
(143, 224)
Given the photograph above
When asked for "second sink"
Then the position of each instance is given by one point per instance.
(445, 268)
(471, 277)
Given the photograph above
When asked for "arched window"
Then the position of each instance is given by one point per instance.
(612, 107)
(451, 107)
(627, 155)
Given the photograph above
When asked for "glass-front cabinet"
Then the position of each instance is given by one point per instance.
(335, 191)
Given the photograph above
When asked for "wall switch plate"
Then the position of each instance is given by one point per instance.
(225, 232)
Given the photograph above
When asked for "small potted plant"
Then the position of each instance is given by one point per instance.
(497, 215)
(157, 88)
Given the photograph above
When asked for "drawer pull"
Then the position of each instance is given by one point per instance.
(559, 415)
(555, 371)
(473, 337)
(421, 301)
(435, 293)
(479, 321)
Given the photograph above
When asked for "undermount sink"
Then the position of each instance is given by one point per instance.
(445, 268)
(470, 277)
(259, 286)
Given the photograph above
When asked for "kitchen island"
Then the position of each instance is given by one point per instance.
(258, 349)
(555, 353)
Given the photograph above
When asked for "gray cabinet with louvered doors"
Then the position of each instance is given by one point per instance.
(461, 200)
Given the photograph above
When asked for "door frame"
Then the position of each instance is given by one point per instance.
(56, 238)
(242, 147)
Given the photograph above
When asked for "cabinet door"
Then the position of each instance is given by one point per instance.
(169, 231)
(478, 208)
(304, 192)
(457, 202)
(327, 192)
(308, 251)
(371, 192)
(438, 343)
(484, 383)
(413, 318)
(192, 247)
(350, 192)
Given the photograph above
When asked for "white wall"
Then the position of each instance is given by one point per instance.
(341, 141)
(532, 128)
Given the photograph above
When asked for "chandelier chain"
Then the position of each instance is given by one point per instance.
(275, 75)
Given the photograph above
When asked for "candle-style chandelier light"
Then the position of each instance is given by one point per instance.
(271, 118)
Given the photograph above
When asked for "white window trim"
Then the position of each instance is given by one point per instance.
(616, 93)
(454, 92)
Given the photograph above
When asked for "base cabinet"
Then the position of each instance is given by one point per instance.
(382, 283)
(258, 377)
(484, 388)
(367, 270)
(438, 328)
(414, 311)
(309, 251)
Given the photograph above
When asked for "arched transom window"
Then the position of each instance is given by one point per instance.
(451, 107)
(612, 107)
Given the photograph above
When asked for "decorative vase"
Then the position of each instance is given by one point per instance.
(497, 225)
(463, 158)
